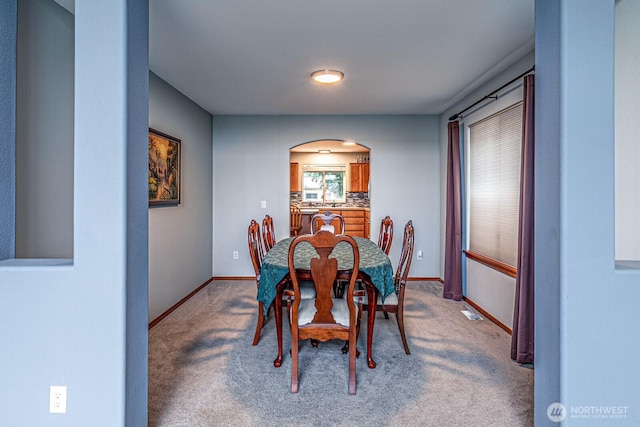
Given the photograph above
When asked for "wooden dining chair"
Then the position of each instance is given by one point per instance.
(268, 233)
(323, 318)
(327, 221)
(385, 237)
(394, 303)
(295, 220)
(256, 252)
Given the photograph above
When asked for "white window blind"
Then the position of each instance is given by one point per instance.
(494, 185)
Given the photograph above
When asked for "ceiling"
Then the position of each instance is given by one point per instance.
(336, 146)
(398, 56)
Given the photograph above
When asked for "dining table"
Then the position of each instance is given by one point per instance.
(375, 271)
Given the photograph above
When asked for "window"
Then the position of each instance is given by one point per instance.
(323, 183)
(494, 185)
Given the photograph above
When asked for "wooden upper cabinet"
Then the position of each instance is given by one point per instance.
(356, 175)
(359, 177)
(365, 177)
(294, 177)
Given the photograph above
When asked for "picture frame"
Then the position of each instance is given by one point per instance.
(164, 169)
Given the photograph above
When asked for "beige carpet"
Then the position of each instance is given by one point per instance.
(203, 370)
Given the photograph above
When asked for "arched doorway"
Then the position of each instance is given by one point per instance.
(332, 175)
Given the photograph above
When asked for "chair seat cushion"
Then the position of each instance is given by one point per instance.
(389, 300)
(307, 310)
(307, 289)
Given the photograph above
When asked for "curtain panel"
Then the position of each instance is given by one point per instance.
(453, 232)
(522, 337)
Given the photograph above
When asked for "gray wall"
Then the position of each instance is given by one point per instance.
(627, 147)
(180, 244)
(180, 259)
(251, 163)
(44, 131)
(83, 322)
(8, 55)
(586, 321)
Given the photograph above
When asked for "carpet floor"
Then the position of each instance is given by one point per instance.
(203, 370)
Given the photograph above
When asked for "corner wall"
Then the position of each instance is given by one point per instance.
(82, 323)
(586, 321)
(180, 246)
(44, 131)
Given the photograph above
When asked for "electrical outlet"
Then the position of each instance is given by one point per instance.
(235, 254)
(58, 399)
(263, 204)
(419, 255)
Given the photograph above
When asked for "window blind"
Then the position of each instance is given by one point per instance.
(494, 185)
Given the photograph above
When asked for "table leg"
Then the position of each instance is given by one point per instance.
(372, 295)
(278, 315)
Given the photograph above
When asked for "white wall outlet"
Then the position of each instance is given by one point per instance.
(235, 254)
(419, 255)
(263, 204)
(58, 399)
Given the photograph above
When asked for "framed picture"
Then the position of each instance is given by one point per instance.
(164, 169)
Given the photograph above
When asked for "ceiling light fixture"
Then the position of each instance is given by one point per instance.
(324, 151)
(327, 76)
(348, 143)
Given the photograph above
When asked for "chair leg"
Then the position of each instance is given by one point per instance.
(352, 366)
(338, 289)
(400, 318)
(294, 364)
(260, 323)
(386, 314)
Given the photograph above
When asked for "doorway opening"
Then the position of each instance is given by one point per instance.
(331, 175)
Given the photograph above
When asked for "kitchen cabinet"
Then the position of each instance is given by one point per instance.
(294, 177)
(359, 177)
(353, 222)
(367, 224)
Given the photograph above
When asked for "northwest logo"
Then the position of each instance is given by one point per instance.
(556, 412)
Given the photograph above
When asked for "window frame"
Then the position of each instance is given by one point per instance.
(508, 98)
(323, 169)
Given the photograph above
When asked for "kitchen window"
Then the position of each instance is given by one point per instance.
(323, 184)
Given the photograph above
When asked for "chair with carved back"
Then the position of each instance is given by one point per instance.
(394, 303)
(323, 318)
(256, 251)
(295, 220)
(385, 237)
(327, 221)
(268, 233)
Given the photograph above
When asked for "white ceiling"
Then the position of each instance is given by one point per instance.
(336, 146)
(398, 56)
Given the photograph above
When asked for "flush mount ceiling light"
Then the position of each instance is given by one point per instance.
(324, 151)
(327, 76)
(350, 143)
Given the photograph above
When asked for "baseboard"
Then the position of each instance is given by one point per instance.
(424, 279)
(487, 315)
(155, 321)
(233, 278)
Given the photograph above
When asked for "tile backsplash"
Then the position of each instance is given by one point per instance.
(354, 199)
